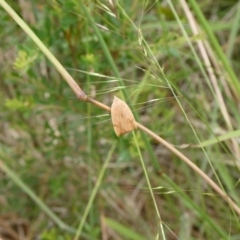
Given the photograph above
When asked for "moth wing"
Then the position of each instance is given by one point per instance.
(128, 120)
(116, 120)
(122, 117)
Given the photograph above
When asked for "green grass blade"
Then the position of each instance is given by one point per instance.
(215, 44)
(227, 136)
(94, 191)
(149, 186)
(124, 231)
(233, 33)
(116, 72)
(17, 180)
(67, 77)
(197, 209)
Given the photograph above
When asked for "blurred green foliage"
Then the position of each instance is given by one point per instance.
(58, 144)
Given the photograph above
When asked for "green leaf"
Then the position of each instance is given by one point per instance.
(124, 231)
(19, 104)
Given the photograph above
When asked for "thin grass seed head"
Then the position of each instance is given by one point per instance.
(122, 118)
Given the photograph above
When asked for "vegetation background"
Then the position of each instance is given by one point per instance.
(147, 53)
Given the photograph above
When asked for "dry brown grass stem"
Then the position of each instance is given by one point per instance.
(195, 168)
(215, 83)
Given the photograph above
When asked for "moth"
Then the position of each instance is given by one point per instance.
(122, 118)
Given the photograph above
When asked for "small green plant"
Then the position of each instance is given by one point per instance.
(54, 234)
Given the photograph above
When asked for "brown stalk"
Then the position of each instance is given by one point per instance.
(180, 155)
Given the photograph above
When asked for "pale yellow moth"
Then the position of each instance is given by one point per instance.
(122, 118)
